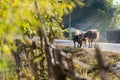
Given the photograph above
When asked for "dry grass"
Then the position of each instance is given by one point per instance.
(88, 56)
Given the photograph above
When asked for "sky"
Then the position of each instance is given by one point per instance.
(116, 2)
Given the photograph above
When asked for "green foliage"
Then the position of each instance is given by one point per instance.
(7, 68)
(116, 17)
(66, 33)
(19, 18)
(26, 30)
(100, 14)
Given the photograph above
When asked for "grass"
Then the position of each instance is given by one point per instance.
(7, 68)
(88, 56)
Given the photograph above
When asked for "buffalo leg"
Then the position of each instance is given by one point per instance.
(85, 44)
(74, 44)
(80, 44)
(89, 45)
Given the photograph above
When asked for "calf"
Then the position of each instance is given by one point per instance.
(77, 38)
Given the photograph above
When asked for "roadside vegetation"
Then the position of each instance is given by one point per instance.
(87, 56)
(25, 57)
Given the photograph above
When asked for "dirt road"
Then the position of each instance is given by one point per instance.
(115, 47)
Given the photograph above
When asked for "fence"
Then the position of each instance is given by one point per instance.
(113, 36)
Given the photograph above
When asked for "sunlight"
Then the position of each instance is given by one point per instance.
(116, 2)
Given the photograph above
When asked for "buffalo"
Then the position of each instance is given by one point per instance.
(77, 38)
(91, 36)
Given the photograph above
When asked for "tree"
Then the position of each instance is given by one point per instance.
(19, 19)
(94, 14)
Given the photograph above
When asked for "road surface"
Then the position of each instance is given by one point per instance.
(115, 47)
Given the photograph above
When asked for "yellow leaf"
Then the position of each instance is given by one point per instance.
(15, 3)
(6, 49)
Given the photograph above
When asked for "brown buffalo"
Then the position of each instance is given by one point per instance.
(92, 36)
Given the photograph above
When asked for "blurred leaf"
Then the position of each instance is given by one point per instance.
(6, 49)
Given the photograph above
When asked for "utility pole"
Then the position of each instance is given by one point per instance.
(69, 23)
